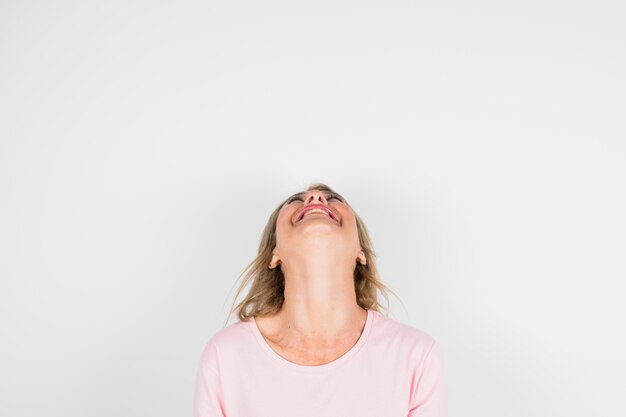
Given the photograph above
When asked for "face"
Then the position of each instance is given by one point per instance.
(334, 229)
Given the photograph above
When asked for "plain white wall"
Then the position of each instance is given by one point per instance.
(145, 143)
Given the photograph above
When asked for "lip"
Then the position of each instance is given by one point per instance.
(318, 206)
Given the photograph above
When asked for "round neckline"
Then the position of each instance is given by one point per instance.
(313, 369)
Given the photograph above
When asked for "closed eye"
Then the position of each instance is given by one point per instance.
(330, 197)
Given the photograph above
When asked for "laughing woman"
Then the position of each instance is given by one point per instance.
(310, 340)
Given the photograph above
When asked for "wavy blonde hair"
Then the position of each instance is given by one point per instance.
(266, 294)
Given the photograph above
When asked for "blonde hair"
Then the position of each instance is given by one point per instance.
(266, 294)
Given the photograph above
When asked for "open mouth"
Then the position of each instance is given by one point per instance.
(317, 210)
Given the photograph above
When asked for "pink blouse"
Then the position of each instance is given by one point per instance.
(393, 370)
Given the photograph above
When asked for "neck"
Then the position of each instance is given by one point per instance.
(320, 299)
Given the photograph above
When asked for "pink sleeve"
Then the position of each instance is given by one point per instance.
(428, 395)
(208, 393)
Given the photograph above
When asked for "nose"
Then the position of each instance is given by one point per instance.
(315, 195)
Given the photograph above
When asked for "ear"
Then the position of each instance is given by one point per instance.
(361, 258)
(274, 262)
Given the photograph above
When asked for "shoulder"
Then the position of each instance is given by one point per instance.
(401, 336)
(222, 341)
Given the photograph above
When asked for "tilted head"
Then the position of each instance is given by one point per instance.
(285, 234)
(316, 221)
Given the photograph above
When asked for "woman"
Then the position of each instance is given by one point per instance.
(310, 340)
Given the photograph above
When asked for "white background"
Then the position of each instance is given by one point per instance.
(145, 143)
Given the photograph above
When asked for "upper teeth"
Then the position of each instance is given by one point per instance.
(316, 210)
